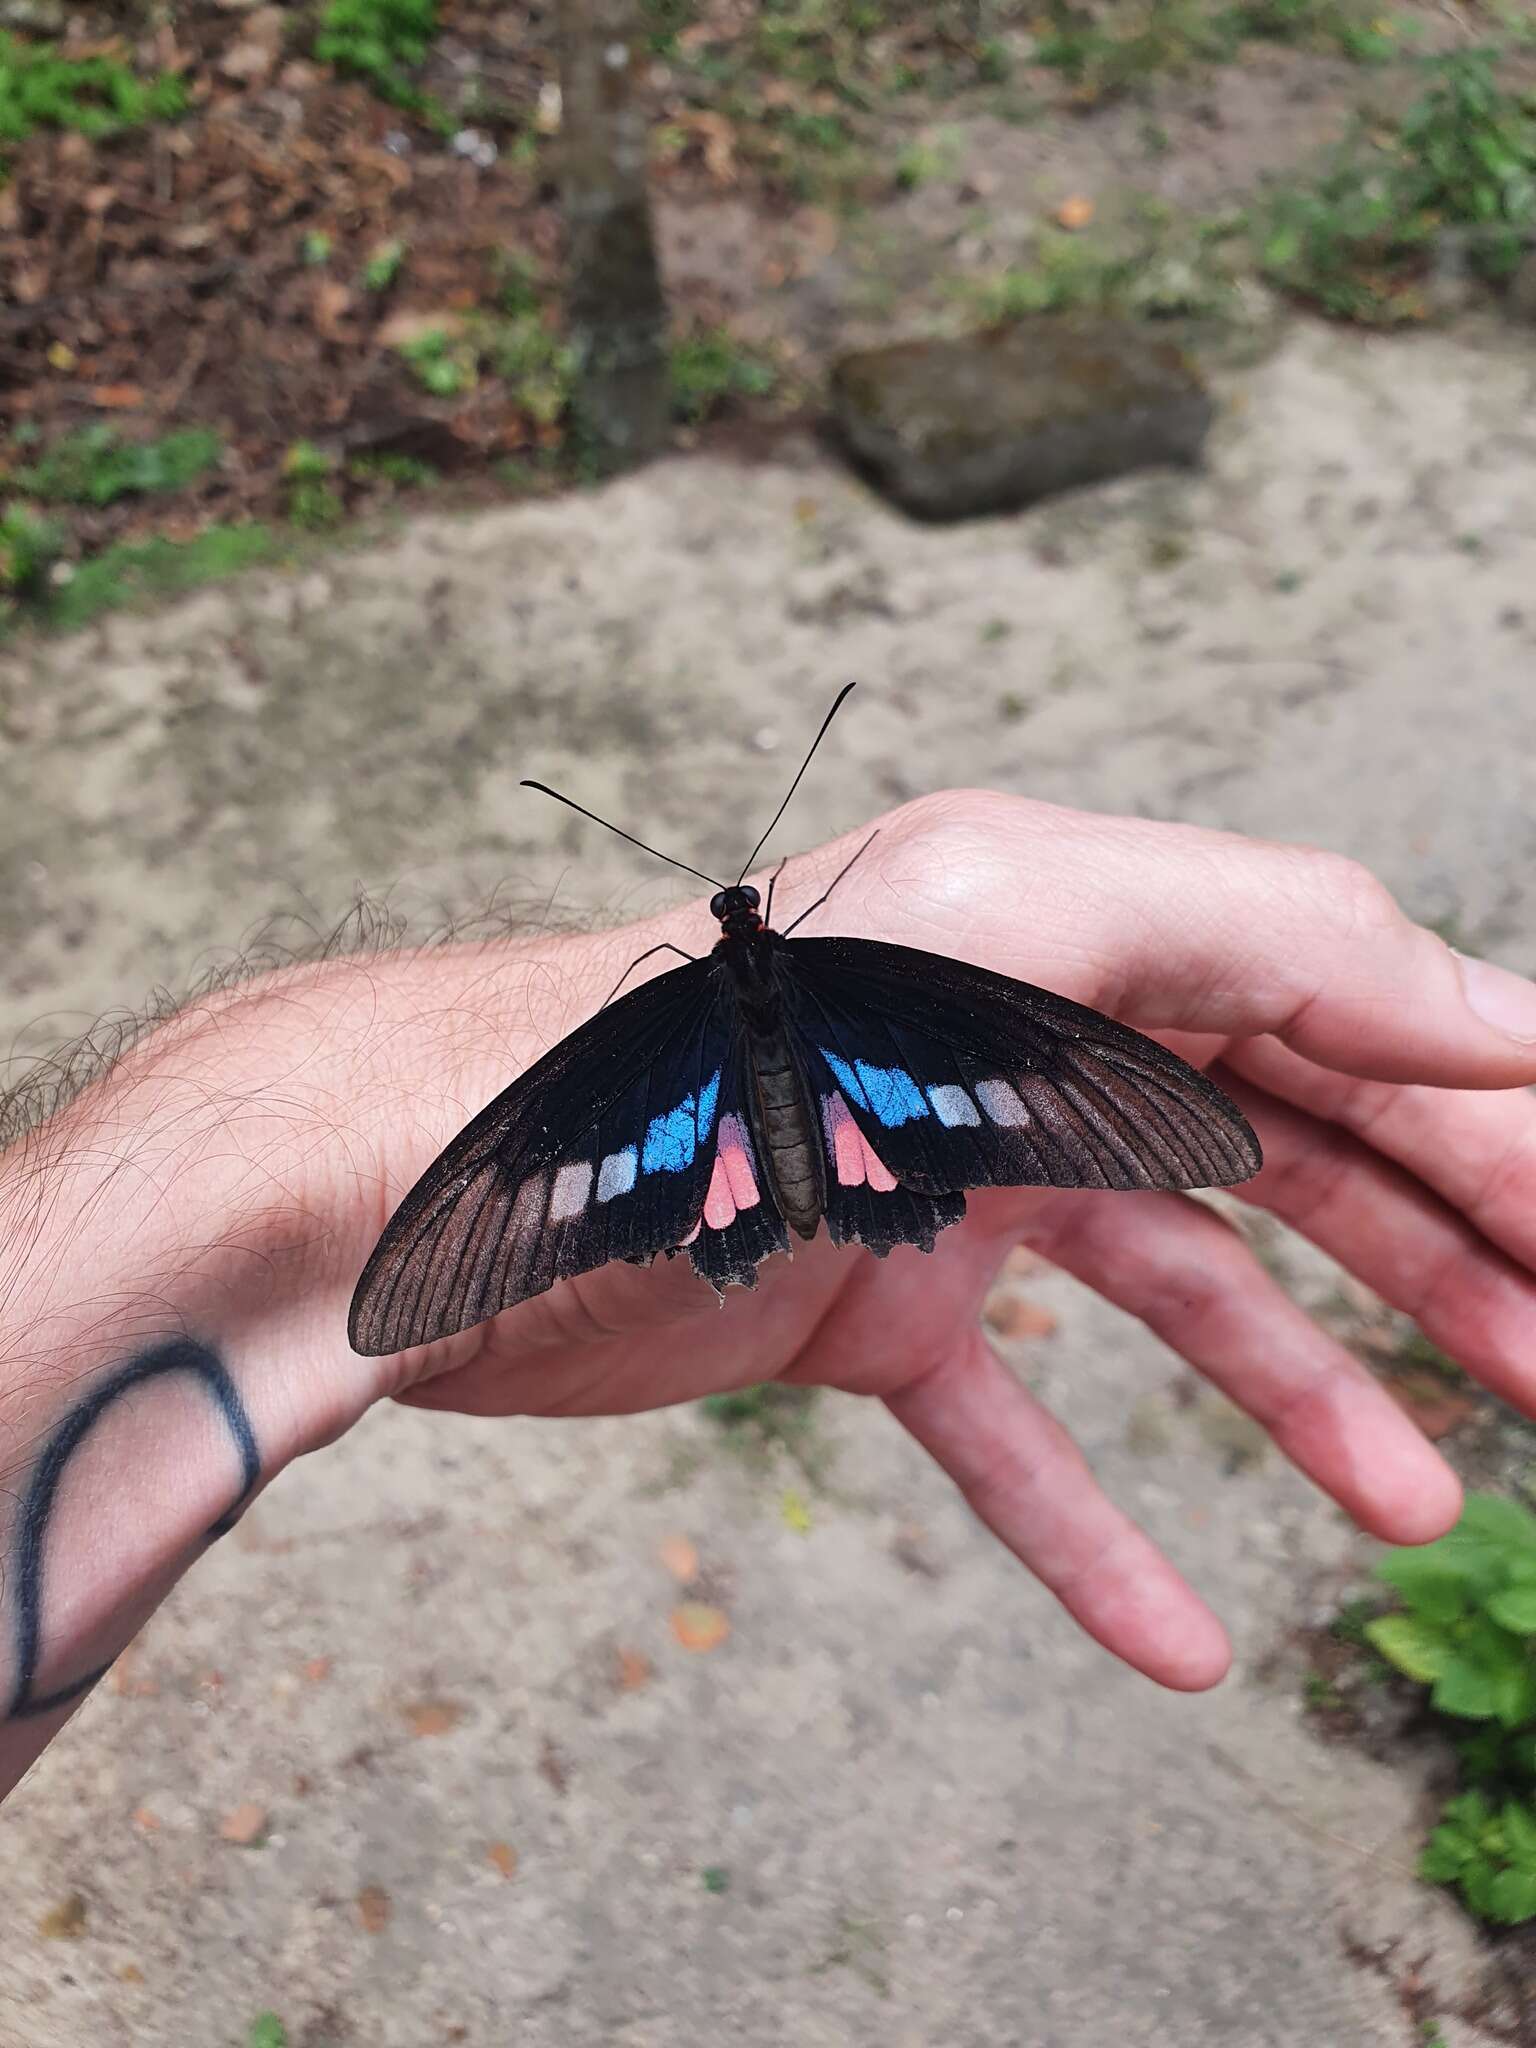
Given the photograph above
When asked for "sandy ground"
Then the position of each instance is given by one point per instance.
(945, 1818)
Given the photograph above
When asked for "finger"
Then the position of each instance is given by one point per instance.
(1028, 1482)
(1396, 1235)
(1186, 1274)
(1476, 1151)
(1177, 928)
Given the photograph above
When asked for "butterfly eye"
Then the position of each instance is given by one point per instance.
(749, 896)
(717, 903)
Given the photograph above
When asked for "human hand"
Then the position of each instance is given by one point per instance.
(229, 1177)
(1341, 1029)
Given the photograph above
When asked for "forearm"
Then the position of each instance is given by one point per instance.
(179, 1246)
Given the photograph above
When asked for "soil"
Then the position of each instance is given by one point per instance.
(210, 270)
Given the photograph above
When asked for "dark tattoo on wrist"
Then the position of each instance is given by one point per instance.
(176, 1355)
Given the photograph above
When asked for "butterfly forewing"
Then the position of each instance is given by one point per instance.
(642, 1133)
(949, 1076)
(603, 1149)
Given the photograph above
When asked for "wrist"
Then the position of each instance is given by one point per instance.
(181, 1244)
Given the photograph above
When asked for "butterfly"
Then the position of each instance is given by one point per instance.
(771, 1085)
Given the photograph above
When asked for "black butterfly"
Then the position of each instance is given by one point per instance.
(771, 1084)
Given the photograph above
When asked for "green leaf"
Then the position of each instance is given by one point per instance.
(1512, 1897)
(267, 2031)
(1419, 1648)
(1514, 1609)
(1436, 1587)
(1488, 1518)
(1519, 1825)
(1477, 1889)
(1470, 1811)
(1466, 1689)
(1446, 1855)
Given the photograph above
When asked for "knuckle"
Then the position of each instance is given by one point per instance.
(1350, 892)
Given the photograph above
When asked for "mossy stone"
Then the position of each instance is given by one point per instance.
(998, 419)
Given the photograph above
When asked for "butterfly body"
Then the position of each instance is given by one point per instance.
(773, 1084)
(749, 953)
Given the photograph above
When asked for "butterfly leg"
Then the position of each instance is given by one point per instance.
(649, 954)
(800, 920)
(773, 883)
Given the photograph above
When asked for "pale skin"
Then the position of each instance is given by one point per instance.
(226, 1181)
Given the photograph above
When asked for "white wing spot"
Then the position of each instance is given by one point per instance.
(952, 1106)
(1001, 1102)
(616, 1176)
(568, 1196)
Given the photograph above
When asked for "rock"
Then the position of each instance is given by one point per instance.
(995, 420)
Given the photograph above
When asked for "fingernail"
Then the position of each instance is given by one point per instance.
(1504, 1000)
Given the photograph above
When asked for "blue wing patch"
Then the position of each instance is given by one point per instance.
(671, 1141)
(889, 1093)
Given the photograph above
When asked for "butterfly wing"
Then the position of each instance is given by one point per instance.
(740, 1222)
(933, 1075)
(603, 1149)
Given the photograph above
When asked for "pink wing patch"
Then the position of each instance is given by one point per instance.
(855, 1160)
(732, 1184)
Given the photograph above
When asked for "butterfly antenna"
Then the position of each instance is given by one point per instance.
(571, 804)
(783, 807)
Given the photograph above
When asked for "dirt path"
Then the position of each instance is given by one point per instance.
(944, 1818)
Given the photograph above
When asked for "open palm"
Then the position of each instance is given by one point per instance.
(1397, 1135)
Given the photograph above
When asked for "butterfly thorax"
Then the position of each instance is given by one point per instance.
(785, 1113)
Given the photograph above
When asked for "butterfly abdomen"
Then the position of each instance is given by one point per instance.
(788, 1133)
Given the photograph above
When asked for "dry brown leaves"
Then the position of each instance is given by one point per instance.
(427, 1718)
(374, 1907)
(244, 1825)
(700, 1627)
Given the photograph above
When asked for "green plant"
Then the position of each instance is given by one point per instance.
(715, 1879)
(1166, 269)
(763, 1423)
(1108, 53)
(95, 466)
(29, 547)
(1488, 1854)
(1467, 1630)
(1111, 56)
(665, 21)
(384, 266)
(312, 503)
(316, 247)
(96, 96)
(1354, 30)
(1359, 241)
(136, 570)
(1470, 150)
(517, 283)
(440, 362)
(406, 471)
(267, 2031)
(537, 365)
(928, 160)
(710, 367)
(382, 41)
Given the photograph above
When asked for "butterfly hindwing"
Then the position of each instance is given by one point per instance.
(947, 1076)
(740, 1222)
(603, 1149)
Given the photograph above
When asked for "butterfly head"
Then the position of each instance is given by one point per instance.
(737, 910)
